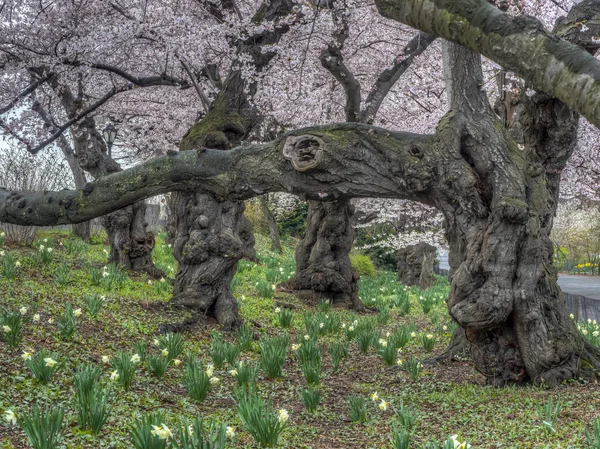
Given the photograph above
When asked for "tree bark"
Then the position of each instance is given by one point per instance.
(131, 244)
(210, 237)
(273, 228)
(415, 265)
(323, 266)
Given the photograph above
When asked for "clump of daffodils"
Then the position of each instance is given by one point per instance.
(458, 444)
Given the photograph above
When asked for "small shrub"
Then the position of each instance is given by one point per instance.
(264, 289)
(140, 348)
(325, 305)
(384, 315)
(400, 337)
(365, 338)
(357, 408)
(387, 351)
(231, 353)
(427, 302)
(43, 429)
(362, 264)
(273, 352)
(43, 365)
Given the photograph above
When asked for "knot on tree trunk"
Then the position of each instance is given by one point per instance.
(305, 152)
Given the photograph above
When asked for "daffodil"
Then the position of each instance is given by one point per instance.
(105, 359)
(23, 310)
(26, 355)
(50, 362)
(277, 310)
(321, 325)
(383, 405)
(6, 328)
(36, 317)
(17, 264)
(429, 336)
(10, 417)
(165, 352)
(214, 380)
(233, 372)
(114, 376)
(283, 416)
(375, 397)
(413, 334)
(162, 432)
(156, 342)
(307, 337)
(210, 369)
(383, 342)
(295, 347)
(351, 328)
(77, 312)
(50, 320)
(399, 362)
(176, 362)
(230, 432)
(135, 358)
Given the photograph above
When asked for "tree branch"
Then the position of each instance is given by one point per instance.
(389, 77)
(60, 129)
(520, 44)
(33, 86)
(331, 58)
(321, 163)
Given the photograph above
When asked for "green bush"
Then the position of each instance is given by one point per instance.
(362, 264)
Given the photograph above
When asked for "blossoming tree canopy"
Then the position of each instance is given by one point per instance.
(495, 182)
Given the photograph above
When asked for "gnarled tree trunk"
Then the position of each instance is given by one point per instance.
(131, 243)
(210, 236)
(415, 265)
(323, 266)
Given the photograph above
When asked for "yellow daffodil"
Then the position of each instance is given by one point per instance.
(77, 312)
(214, 380)
(26, 355)
(383, 405)
(176, 362)
(375, 397)
(230, 432)
(165, 352)
(233, 372)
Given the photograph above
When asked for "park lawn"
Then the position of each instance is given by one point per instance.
(449, 398)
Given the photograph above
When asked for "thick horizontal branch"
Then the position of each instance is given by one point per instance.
(320, 163)
(520, 44)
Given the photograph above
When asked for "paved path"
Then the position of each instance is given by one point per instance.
(576, 285)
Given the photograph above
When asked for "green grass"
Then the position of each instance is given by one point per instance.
(447, 399)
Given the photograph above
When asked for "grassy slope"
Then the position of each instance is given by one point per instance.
(449, 398)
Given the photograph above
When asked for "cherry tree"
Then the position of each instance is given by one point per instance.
(498, 200)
